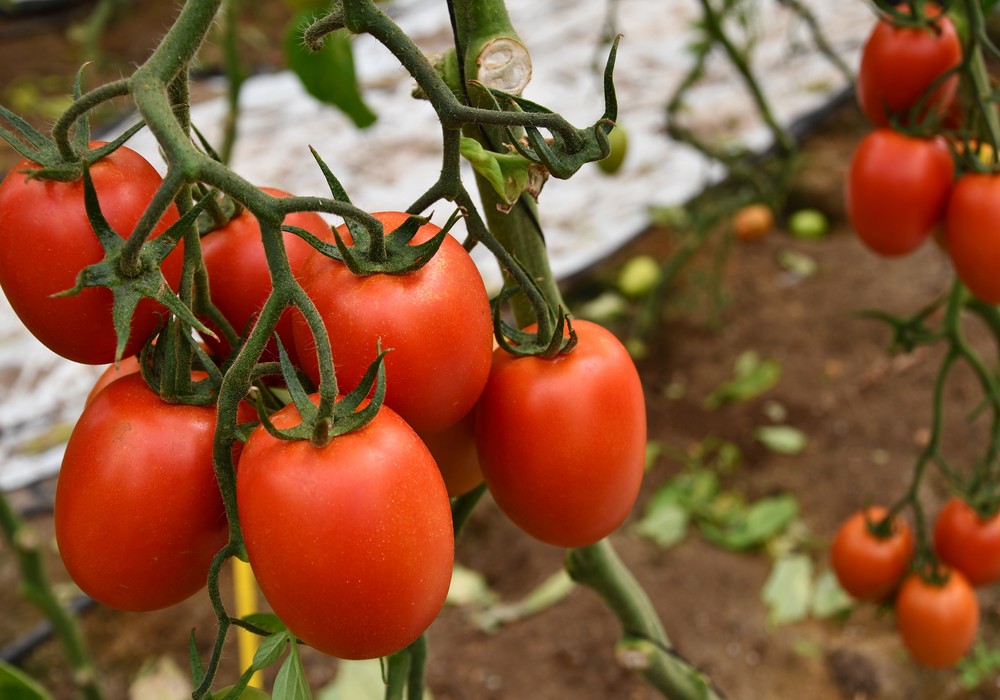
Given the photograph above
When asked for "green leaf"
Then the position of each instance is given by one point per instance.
(327, 74)
(829, 599)
(781, 438)
(267, 621)
(17, 685)
(290, 683)
(763, 520)
(509, 174)
(665, 522)
(356, 680)
(752, 376)
(270, 649)
(788, 590)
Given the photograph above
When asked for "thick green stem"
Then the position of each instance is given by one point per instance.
(644, 646)
(36, 587)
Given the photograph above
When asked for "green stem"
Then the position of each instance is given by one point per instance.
(36, 587)
(644, 646)
(235, 74)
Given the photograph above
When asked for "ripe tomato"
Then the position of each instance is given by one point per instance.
(899, 64)
(937, 623)
(138, 513)
(972, 233)
(454, 451)
(753, 222)
(46, 239)
(562, 441)
(897, 190)
(869, 567)
(127, 365)
(352, 542)
(436, 320)
(968, 543)
(239, 277)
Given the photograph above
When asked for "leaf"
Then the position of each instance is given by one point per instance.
(270, 649)
(469, 587)
(752, 376)
(798, 264)
(290, 683)
(829, 599)
(788, 589)
(327, 74)
(15, 684)
(761, 521)
(356, 680)
(781, 438)
(509, 174)
(665, 522)
(159, 679)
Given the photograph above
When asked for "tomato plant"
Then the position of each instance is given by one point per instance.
(239, 276)
(562, 440)
(78, 327)
(897, 190)
(885, 88)
(972, 233)
(138, 513)
(937, 621)
(868, 566)
(436, 321)
(351, 542)
(968, 542)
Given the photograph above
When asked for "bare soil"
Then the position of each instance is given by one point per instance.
(865, 413)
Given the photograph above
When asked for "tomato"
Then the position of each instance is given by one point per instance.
(899, 65)
(454, 451)
(436, 320)
(239, 277)
(127, 365)
(869, 567)
(972, 233)
(46, 239)
(968, 543)
(138, 513)
(351, 543)
(562, 441)
(937, 623)
(897, 190)
(753, 222)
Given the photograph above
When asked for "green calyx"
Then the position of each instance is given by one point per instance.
(554, 336)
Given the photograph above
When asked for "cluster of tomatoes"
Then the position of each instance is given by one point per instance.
(937, 611)
(352, 540)
(902, 189)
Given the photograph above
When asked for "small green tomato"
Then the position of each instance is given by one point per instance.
(808, 223)
(638, 276)
(619, 149)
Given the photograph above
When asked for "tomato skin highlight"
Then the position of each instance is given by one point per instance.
(899, 65)
(562, 442)
(239, 278)
(46, 239)
(937, 624)
(138, 513)
(972, 233)
(897, 190)
(870, 568)
(968, 543)
(436, 320)
(351, 543)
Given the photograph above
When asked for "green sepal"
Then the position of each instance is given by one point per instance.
(519, 343)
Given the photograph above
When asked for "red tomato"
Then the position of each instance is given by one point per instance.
(972, 233)
(239, 277)
(562, 441)
(454, 450)
(436, 320)
(352, 543)
(899, 65)
(46, 239)
(128, 365)
(897, 190)
(937, 623)
(138, 513)
(869, 567)
(968, 543)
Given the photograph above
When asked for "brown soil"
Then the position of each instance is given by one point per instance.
(864, 412)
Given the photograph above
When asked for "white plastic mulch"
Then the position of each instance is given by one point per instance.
(388, 165)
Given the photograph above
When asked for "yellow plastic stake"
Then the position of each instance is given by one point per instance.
(245, 590)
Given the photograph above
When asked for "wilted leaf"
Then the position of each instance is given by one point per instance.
(829, 599)
(159, 679)
(781, 438)
(799, 264)
(327, 74)
(752, 376)
(788, 590)
(762, 520)
(356, 680)
(468, 587)
(665, 522)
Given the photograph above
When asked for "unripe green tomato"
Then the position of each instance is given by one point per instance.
(619, 149)
(247, 693)
(639, 276)
(808, 223)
